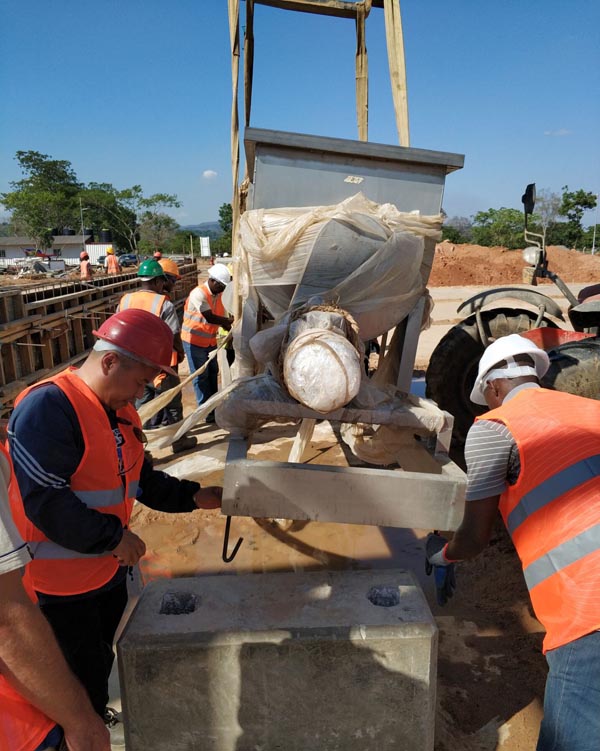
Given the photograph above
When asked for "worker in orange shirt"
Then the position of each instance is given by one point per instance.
(111, 262)
(85, 267)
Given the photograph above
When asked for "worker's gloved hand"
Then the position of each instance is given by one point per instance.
(443, 569)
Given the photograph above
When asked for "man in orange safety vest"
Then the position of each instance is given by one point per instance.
(535, 457)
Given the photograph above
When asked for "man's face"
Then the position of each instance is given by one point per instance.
(125, 380)
(216, 287)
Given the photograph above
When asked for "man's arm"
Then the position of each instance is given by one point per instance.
(475, 529)
(199, 304)
(32, 662)
(224, 323)
(169, 316)
(162, 492)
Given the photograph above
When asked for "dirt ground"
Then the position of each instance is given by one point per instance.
(491, 670)
(462, 265)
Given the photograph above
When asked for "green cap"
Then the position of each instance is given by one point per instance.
(150, 269)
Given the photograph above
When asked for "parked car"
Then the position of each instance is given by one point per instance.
(100, 261)
(128, 259)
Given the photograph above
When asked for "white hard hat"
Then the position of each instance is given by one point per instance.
(507, 348)
(220, 273)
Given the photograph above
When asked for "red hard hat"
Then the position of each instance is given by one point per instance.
(142, 335)
(83, 255)
(157, 255)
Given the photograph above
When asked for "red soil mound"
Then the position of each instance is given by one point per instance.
(459, 265)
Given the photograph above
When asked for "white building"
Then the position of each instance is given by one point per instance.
(66, 247)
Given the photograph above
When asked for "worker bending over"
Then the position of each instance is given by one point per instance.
(536, 456)
(78, 451)
(203, 315)
(153, 297)
(41, 701)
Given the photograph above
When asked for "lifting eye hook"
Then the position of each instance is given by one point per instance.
(227, 558)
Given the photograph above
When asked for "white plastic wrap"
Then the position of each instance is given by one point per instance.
(322, 370)
(361, 256)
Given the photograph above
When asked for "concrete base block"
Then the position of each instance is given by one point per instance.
(323, 661)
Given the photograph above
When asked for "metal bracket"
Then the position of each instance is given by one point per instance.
(227, 558)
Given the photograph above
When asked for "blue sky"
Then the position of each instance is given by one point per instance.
(138, 91)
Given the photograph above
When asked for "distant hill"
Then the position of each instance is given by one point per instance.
(206, 229)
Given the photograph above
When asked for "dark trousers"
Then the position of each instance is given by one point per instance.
(170, 414)
(85, 630)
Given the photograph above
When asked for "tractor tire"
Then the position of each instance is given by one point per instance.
(453, 367)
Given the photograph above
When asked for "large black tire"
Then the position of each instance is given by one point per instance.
(453, 366)
(575, 368)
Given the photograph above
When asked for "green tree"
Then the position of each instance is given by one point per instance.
(573, 205)
(226, 218)
(156, 229)
(45, 199)
(502, 227)
(457, 230)
(547, 211)
(123, 211)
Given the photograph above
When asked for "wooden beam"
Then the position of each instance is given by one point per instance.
(338, 8)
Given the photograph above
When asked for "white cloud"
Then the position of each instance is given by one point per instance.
(209, 174)
(558, 133)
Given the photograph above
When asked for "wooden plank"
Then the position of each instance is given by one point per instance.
(47, 355)
(10, 362)
(27, 358)
(78, 337)
(349, 495)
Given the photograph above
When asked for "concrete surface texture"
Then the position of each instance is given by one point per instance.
(333, 661)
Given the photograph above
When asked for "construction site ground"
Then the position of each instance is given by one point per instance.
(491, 670)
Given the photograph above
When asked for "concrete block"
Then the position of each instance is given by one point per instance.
(321, 661)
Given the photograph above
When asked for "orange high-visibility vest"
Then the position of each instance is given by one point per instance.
(112, 265)
(22, 726)
(553, 511)
(86, 270)
(98, 485)
(143, 299)
(146, 299)
(195, 329)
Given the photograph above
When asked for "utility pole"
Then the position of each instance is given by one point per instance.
(595, 225)
(192, 246)
(81, 210)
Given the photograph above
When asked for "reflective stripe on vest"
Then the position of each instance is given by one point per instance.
(22, 726)
(552, 488)
(143, 300)
(96, 482)
(553, 510)
(562, 556)
(195, 329)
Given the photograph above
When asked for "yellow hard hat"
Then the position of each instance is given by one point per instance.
(110, 250)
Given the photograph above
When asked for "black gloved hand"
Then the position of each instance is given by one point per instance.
(443, 570)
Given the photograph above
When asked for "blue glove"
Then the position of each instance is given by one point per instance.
(443, 569)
